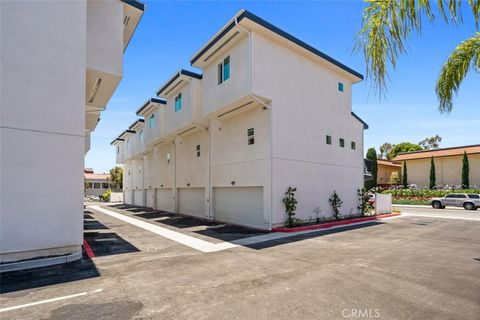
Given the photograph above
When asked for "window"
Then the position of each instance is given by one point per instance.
(140, 135)
(251, 136)
(151, 121)
(128, 143)
(340, 87)
(353, 145)
(104, 185)
(224, 70)
(329, 139)
(178, 102)
(197, 149)
(97, 185)
(89, 185)
(474, 196)
(168, 157)
(450, 196)
(140, 169)
(460, 196)
(342, 142)
(118, 149)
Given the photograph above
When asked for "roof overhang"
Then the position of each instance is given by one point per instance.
(116, 140)
(248, 20)
(365, 125)
(136, 125)
(149, 105)
(176, 81)
(132, 13)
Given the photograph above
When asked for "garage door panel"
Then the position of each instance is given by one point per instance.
(191, 201)
(239, 205)
(138, 198)
(149, 198)
(164, 200)
(128, 197)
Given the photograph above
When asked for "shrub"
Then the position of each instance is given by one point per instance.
(364, 206)
(465, 171)
(105, 197)
(290, 206)
(433, 179)
(336, 203)
(394, 178)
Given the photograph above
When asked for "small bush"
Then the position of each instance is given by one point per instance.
(290, 206)
(105, 197)
(336, 203)
(394, 178)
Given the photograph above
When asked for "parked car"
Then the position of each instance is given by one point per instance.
(467, 201)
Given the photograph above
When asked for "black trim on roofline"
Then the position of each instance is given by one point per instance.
(134, 3)
(115, 140)
(175, 77)
(147, 103)
(135, 123)
(280, 32)
(365, 125)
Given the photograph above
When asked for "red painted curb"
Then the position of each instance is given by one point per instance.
(333, 224)
(88, 249)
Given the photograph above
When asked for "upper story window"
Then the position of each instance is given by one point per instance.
(128, 143)
(328, 139)
(168, 157)
(340, 87)
(151, 121)
(178, 102)
(224, 70)
(140, 135)
(342, 142)
(353, 145)
(197, 150)
(118, 149)
(250, 136)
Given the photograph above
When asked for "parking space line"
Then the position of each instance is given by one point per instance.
(50, 300)
(438, 216)
(205, 246)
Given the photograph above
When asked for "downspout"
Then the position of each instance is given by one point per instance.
(210, 193)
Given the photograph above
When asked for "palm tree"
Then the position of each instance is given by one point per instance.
(387, 24)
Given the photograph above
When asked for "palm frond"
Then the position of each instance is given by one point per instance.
(465, 55)
(386, 24)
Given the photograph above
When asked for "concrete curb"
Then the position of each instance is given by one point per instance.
(37, 263)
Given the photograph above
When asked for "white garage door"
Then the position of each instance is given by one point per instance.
(239, 205)
(164, 200)
(127, 198)
(149, 198)
(138, 198)
(191, 201)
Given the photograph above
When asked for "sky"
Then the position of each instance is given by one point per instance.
(171, 32)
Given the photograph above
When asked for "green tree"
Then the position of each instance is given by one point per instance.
(385, 150)
(433, 178)
(465, 171)
(431, 143)
(116, 179)
(403, 147)
(386, 26)
(372, 156)
(404, 175)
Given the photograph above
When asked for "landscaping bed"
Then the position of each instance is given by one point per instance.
(325, 225)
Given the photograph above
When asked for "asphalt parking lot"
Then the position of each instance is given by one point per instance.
(410, 267)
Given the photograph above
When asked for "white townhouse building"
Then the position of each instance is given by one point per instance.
(61, 62)
(267, 112)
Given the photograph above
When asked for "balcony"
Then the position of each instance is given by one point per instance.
(183, 93)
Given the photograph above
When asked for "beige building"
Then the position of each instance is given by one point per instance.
(96, 184)
(61, 62)
(267, 111)
(448, 165)
(385, 170)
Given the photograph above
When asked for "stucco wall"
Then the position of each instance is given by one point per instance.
(184, 117)
(216, 96)
(191, 169)
(448, 170)
(164, 170)
(307, 106)
(42, 114)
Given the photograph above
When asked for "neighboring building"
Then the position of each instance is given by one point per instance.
(61, 62)
(268, 112)
(448, 165)
(96, 184)
(385, 170)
